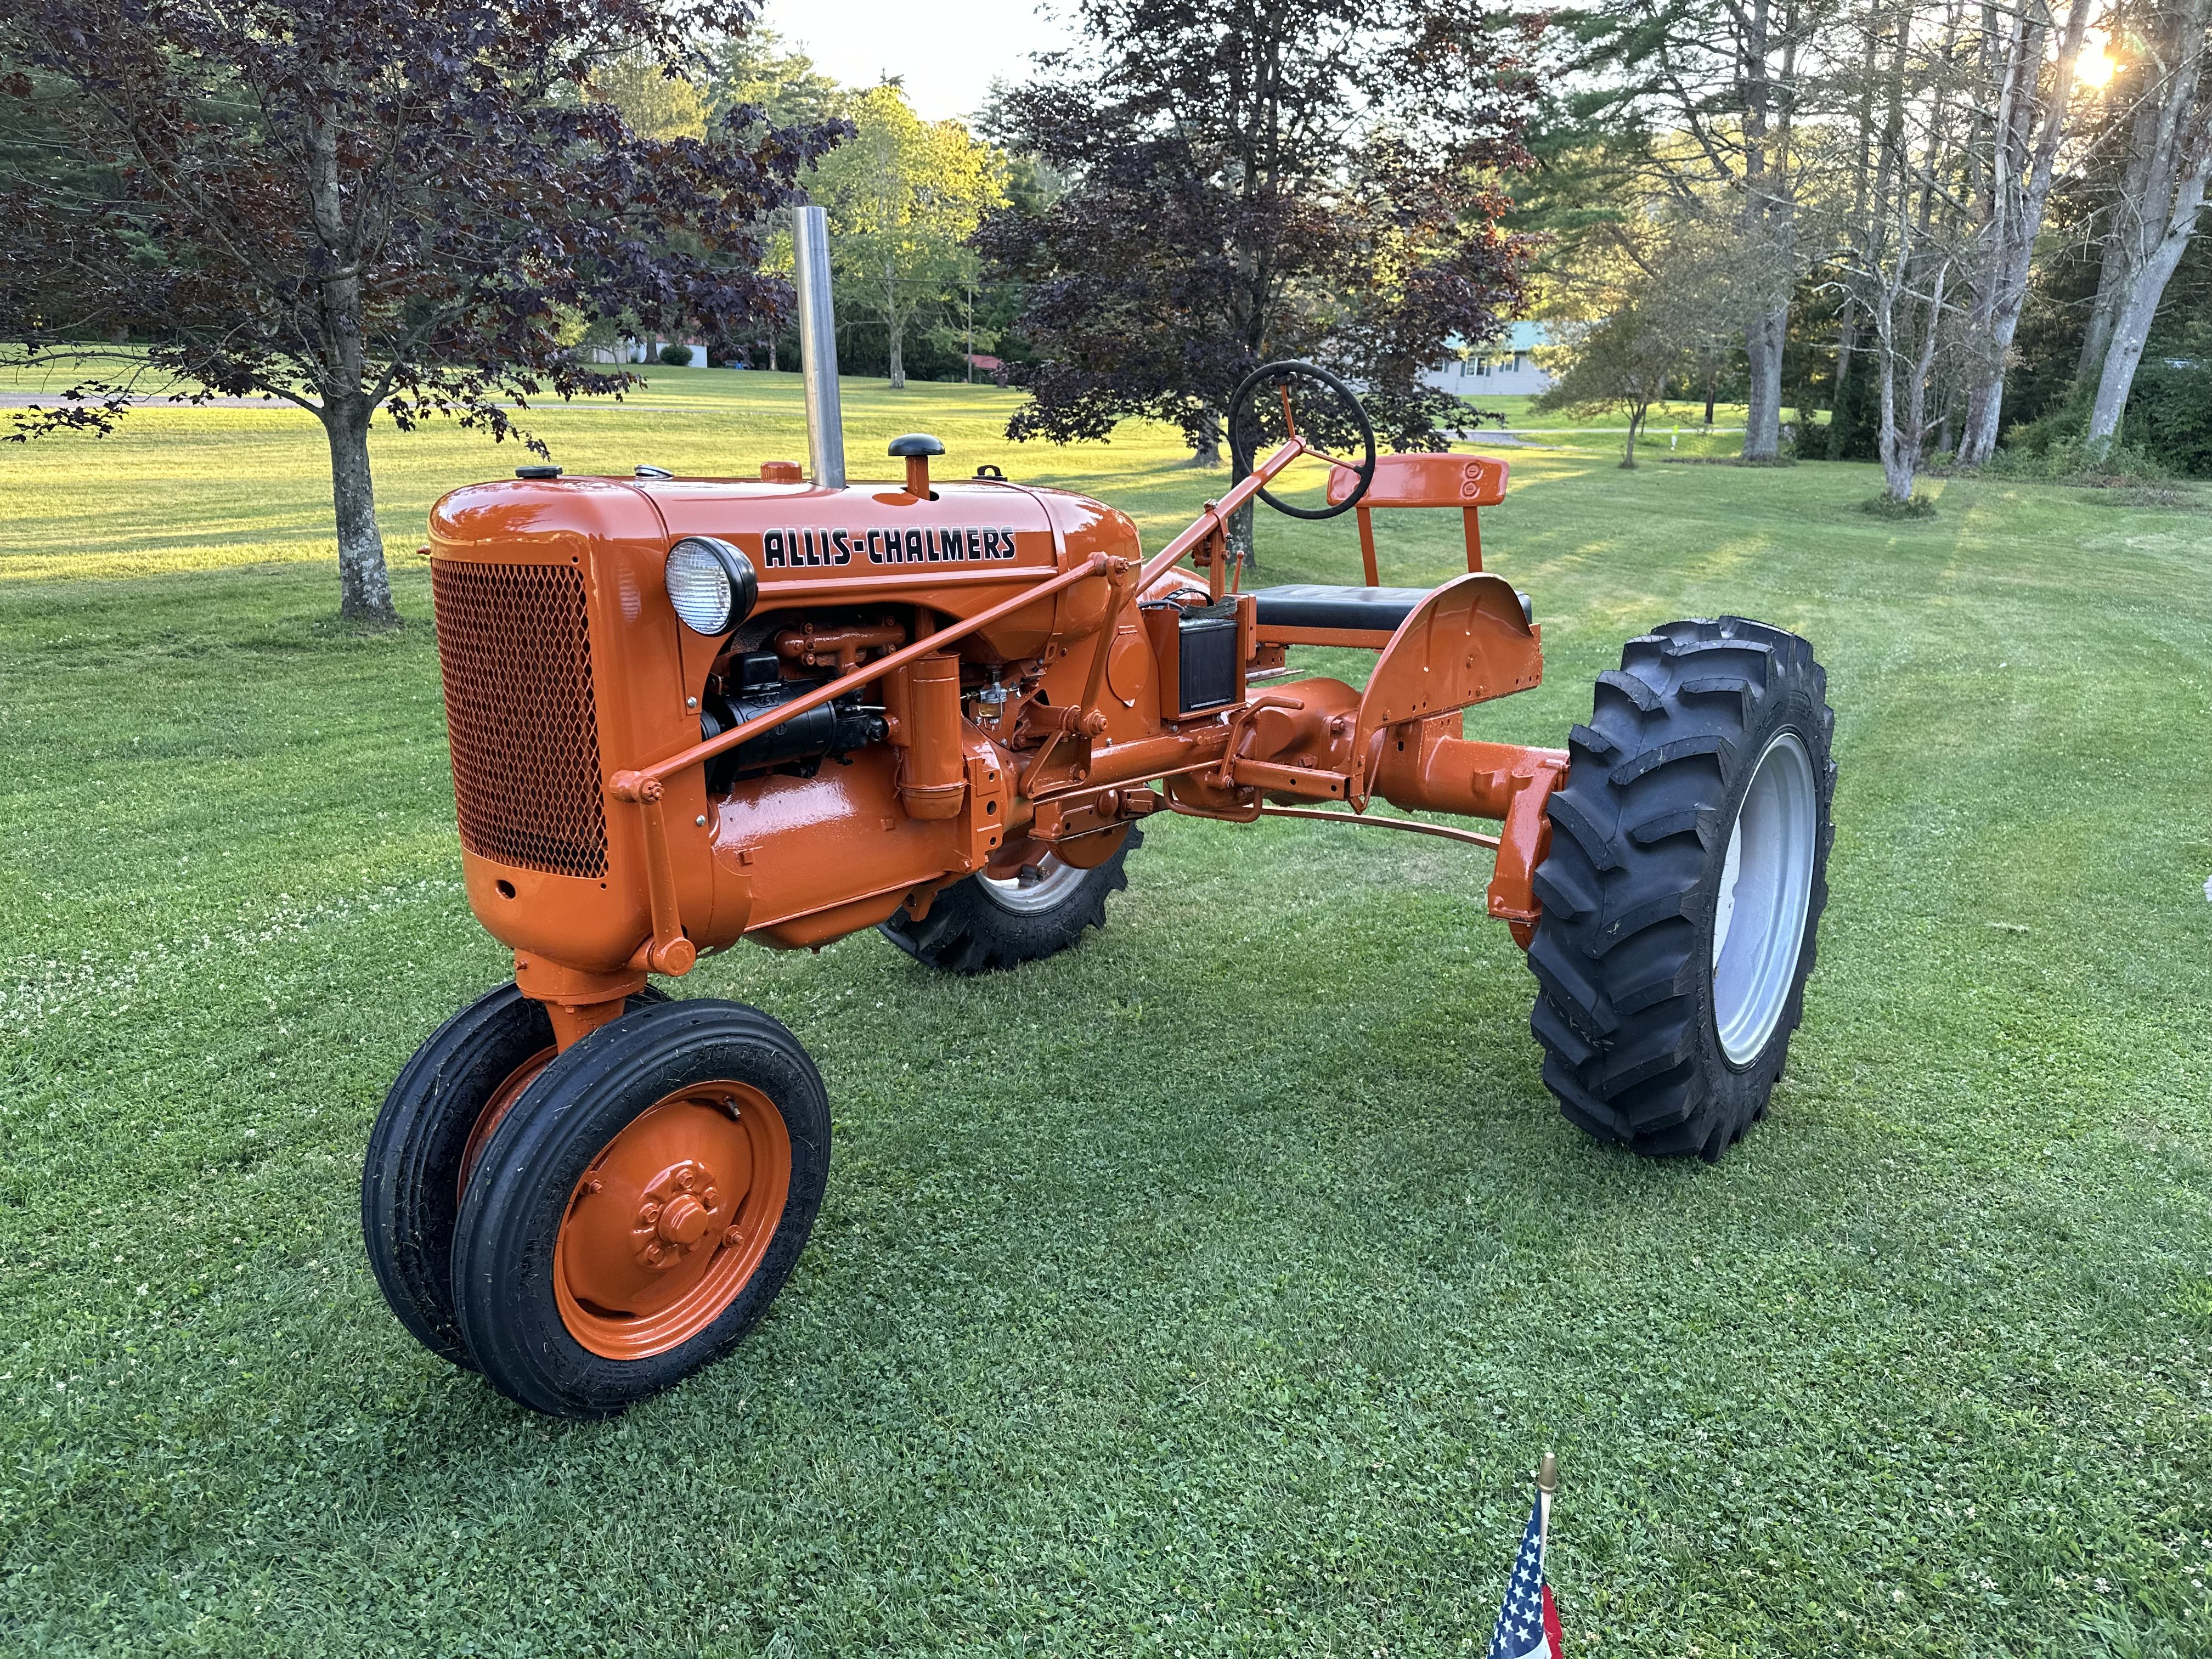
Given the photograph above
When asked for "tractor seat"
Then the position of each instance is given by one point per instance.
(1371, 610)
(1309, 605)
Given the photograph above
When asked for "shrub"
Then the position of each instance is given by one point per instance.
(1920, 507)
(2062, 458)
(676, 356)
(2170, 413)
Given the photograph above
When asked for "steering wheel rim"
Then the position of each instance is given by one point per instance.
(1278, 374)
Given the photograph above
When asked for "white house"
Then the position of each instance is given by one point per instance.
(1499, 368)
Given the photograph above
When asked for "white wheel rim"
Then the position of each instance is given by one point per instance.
(1767, 887)
(1043, 885)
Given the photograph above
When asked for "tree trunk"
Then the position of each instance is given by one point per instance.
(2175, 144)
(1903, 441)
(1206, 446)
(1712, 386)
(894, 324)
(2146, 286)
(364, 588)
(1762, 340)
(2113, 271)
(2017, 213)
(1628, 454)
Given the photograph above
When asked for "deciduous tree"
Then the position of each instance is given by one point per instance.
(1246, 183)
(394, 204)
(904, 195)
(2170, 167)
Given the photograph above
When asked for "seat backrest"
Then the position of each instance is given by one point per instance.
(1428, 480)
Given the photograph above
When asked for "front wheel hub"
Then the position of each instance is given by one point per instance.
(669, 1223)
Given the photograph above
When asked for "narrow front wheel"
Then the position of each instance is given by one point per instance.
(637, 1212)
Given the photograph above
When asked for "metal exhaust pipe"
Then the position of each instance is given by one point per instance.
(818, 347)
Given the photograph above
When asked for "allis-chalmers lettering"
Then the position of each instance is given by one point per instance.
(784, 550)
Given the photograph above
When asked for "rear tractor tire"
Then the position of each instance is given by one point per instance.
(980, 924)
(1683, 888)
(636, 1213)
(440, 1111)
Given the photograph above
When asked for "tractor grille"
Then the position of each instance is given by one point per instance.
(516, 655)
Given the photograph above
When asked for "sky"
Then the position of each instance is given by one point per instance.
(948, 55)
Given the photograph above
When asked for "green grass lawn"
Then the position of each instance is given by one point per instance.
(1210, 1289)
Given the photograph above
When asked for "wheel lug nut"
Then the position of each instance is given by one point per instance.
(731, 1236)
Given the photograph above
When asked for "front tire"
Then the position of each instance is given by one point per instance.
(637, 1212)
(1683, 888)
(434, 1121)
(981, 924)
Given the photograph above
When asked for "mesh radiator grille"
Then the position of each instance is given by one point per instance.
(516, 655)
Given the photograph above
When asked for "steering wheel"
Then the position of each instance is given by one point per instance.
(1280, 400)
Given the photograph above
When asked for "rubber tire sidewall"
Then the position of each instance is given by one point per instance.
(1599, 1008)
(510, 1221)
(411, 1173)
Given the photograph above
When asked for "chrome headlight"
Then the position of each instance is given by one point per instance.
(711, 584)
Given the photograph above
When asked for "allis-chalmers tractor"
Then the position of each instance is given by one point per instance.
(689, 712)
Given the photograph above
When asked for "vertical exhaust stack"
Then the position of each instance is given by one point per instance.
(818, 347)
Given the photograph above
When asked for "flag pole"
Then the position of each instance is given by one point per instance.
(1548, 1484)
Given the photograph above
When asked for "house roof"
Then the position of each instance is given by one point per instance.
(1518, 336)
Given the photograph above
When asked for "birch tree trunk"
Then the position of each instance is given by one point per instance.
(2146, 287)
(2020, 188)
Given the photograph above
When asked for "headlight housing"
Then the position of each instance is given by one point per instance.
(711, 584)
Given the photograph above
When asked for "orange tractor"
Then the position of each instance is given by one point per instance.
(689, 712)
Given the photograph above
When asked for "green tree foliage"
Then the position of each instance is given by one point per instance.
(755, 72)
(904, 195)
(655, 102)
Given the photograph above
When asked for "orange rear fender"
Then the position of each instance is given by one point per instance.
(1466, 643)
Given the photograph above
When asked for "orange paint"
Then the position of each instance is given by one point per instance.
(671, 1219)
(1020, 656)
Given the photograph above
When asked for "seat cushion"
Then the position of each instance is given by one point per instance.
(1309, 605)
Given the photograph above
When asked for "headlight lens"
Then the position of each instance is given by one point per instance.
(711, 584)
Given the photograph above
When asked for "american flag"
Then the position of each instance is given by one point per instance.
(1527, 1624)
